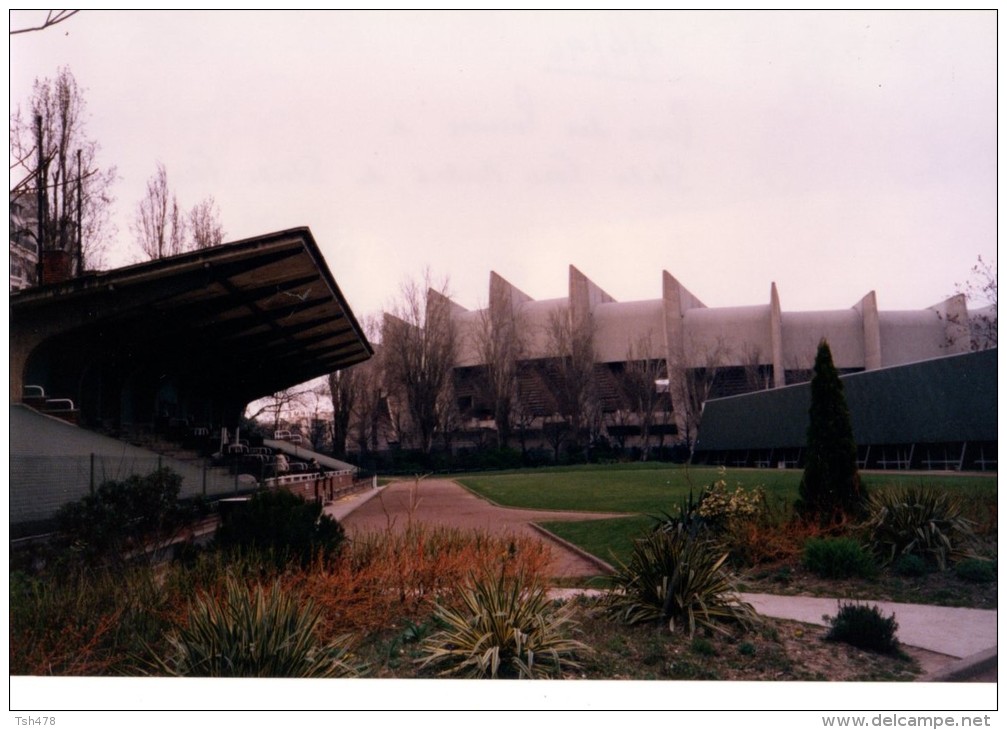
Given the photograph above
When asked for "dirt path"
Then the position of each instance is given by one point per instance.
(443, 502)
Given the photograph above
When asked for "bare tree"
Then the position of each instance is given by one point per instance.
(204, 224)
(693, 386)
(54, 168)
(369, 412)
(981, 288)
(449, 417)
(371, 409)
(501, 344)
(555, 430)
(344, 388)
(522, 413)
(639, 383)
(159, 226)
(279, 406)
(419, 339)
(619, 422)
(571, 343)
(756, 376)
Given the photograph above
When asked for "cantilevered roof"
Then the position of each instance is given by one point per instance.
(264, 313)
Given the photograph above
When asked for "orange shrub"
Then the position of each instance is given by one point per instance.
(755, 542)
(384, 578)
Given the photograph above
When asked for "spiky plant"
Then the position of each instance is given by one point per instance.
(920, 520)
(502, 629)
(253, 634)
(675, 577)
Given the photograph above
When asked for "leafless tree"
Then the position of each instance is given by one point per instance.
(693, 386)
(555, 430)
(981, 288)
(571, 344)
(419, 340)
(65, 173)
(501, 344)
(159, 226)
(756, 377)
(449, 418)
(204, 224)
(279, 406)
(344, 388)
(522, 413)
(319, 425)
(639, 383)
(371, 410)
(619, 421)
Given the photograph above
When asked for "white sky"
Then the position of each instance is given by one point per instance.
(831, 152)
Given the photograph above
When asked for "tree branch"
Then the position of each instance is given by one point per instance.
(50, 20)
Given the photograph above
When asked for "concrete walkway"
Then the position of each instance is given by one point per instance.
(955, 632)
(342, 508)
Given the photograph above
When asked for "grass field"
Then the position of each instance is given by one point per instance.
(644, 489)
(651, 488)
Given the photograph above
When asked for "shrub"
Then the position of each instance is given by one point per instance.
(703, 646)
(503, 629)
(385, 578)
(743, 522)
(83, 621)
(976, 570)
(864, 627)
(124, 516)
(830, 486)
(720, 507)
(253, 634)
(922, 521)
(910, 566)
(840, 557)
(675, 577)
(282, 524)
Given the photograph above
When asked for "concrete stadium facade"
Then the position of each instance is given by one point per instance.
(732, 350)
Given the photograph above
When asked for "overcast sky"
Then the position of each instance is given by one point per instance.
(833, 153)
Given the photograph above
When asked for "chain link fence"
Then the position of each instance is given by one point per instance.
(40, 485)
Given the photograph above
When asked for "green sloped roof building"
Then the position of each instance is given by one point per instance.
(934, 414)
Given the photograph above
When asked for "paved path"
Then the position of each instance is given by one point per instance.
(444, 502)
(955, 632)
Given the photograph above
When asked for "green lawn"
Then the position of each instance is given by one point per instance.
(610, 540)
(633, 488)
(653, 488)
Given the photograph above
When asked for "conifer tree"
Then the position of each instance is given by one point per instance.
(830, 487)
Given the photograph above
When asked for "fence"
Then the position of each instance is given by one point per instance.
(40, 485)
(324, 486)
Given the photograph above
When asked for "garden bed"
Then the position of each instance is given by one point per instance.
(778, 650)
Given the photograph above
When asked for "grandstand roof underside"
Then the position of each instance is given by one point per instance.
(258, 315)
